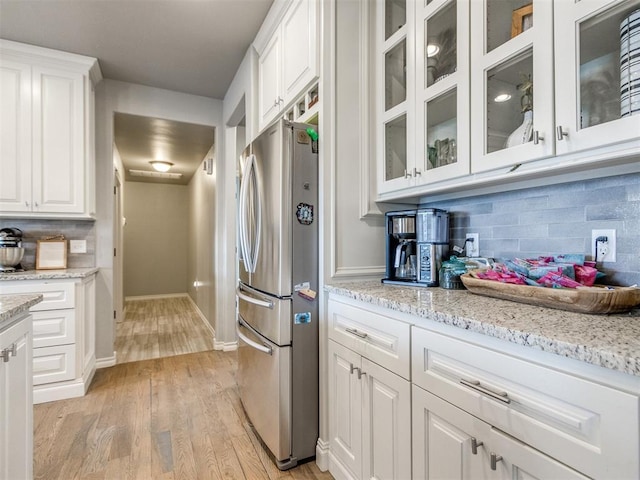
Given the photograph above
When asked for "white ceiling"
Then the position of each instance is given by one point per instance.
(190, 46)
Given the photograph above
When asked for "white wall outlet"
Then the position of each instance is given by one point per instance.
(77, 246)
(606, 250)
(473, 247)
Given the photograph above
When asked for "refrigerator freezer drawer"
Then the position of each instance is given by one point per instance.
(264, 382)
(271, 316)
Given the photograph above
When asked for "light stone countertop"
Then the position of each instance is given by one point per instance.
(12, 305)
(610, 341)
(49, 274)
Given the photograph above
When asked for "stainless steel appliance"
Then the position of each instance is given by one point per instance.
(416, 241)
(277, 319)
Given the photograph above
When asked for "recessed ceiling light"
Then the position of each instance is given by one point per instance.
(503, 97)
(161, 166)
(432, 49)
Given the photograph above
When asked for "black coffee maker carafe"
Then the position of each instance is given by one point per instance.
(401, 247)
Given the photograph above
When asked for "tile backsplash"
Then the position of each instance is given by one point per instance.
(553, 219)
(34, 230)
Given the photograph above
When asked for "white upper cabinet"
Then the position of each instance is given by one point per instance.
(47, 137)
(423, 67)
(511, 82)
(288, 62)
(593, 67)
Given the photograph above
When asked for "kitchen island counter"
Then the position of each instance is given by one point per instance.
(610, 341)
(49, 274)
(13, 305)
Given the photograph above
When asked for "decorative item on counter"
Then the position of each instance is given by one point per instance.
(630, 65)
(51, 253)
(524, 133)
(450, 272)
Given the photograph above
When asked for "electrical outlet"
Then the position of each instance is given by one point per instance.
(77, 246)
(606, 250)
(473, 247)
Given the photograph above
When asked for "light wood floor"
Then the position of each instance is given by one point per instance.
(174, 418)
(159, 328)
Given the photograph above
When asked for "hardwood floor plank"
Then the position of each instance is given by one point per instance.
(178, 417)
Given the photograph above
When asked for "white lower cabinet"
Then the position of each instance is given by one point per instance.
(63, 335)
(16, 411)
(450, 443)
(370, 406)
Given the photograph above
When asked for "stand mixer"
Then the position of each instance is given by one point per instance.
(11, 250)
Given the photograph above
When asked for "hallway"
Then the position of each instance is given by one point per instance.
(160, 327)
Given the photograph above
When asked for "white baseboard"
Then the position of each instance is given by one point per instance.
(225, 346)
(337, 470)
(203, 318)
(322, 455)
(155, 297)
(106, 361)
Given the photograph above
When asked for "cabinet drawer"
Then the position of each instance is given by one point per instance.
(54, 364)
(585, 425)
(54, 327)
(56, 295)
(379, 338)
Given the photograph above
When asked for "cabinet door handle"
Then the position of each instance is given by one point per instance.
(407, 174)
(14, 349)
(561, 134)
(352, 368)
(360, 374)
(537, 137)
(355, 332)
(474, 445)
(494, 460)
(416, 172)
(4, 354)
(477, 386)
(26, 204)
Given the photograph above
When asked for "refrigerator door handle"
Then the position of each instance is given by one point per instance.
(250, 191)
(261, 303)
(262, 348)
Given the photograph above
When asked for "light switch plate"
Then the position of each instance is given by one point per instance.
(77, 246)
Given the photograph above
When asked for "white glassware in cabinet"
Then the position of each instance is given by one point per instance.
(511, 83)
(395, 92)
(596, 78)
(47, 132)
(16, 414)
(442, 89)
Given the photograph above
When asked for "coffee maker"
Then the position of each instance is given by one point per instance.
(401, 244)
(416, 243)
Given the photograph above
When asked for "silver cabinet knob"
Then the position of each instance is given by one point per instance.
(4, 354)
(560, 133)
(407, 174)
(474, 445)
(494, 460)
(537, 137)
(416, 172)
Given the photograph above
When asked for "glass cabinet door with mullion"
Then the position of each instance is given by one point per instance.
(394, 93)
(442, 89)
(597, 56)
(511, 83)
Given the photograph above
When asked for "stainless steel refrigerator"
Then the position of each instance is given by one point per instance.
(277, 308)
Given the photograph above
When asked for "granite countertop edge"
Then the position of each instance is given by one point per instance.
(49, 274)
(12, 305)
(614, 345)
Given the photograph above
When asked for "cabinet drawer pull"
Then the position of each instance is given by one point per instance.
(476, 385)
(560, 133)
(355, 332)
(537, 137)
(4, 354)
(474, 445)
(494, 460)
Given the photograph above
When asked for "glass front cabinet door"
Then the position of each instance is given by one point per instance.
(442, 89)
(395, 79)
(511, 82)
(597, 55)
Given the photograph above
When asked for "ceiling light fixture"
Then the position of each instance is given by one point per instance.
(503, 97)
(432, 49)
(161, 166)
(147, 173)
